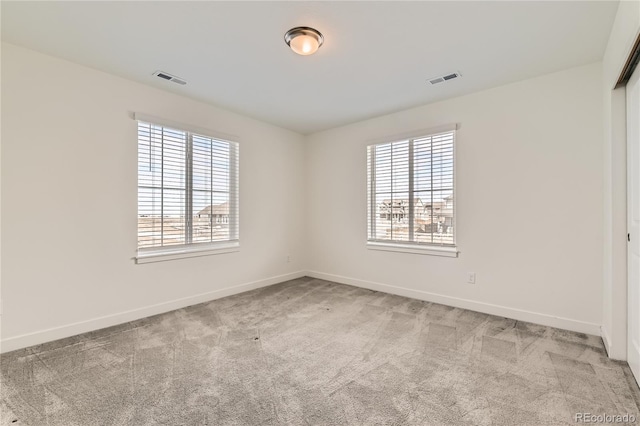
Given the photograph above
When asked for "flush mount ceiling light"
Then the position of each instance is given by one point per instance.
(304, 40)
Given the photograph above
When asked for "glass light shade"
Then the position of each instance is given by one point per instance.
(304, 40)
(304, 45)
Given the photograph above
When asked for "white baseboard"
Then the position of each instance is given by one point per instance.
(38, 337)
(618, 351)
(606, 340)
(487, 308)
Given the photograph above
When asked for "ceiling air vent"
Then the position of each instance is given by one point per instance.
(169, 77)
(447, 77)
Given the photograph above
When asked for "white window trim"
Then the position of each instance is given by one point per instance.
(162, 254)
(183, 252)
(414, 134)
(414, 248)
(184, 127)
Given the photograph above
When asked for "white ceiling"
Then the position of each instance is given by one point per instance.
(376, 58)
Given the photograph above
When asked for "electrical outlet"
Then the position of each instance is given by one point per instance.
(471, 277)
(288, 258)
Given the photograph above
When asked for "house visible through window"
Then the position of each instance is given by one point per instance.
(187, 190)
(411, 191)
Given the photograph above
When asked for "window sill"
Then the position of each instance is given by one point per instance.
(183, 253)
(415, 249)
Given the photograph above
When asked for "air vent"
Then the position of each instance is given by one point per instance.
(443, 78)
(167, 76)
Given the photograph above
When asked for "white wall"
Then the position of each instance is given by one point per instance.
(529, 153)
(69, 177)
(614, 319)
(0, 200)
(529, 212)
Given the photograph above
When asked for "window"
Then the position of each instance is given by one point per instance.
(411, 192)
(187, 191)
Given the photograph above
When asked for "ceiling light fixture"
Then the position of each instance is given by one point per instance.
(304, 40)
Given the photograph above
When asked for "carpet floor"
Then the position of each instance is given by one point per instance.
(312, 352)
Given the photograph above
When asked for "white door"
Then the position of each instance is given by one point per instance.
(633, 222)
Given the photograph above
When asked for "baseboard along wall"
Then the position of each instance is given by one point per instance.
(43, 336)
(487, 308)
(55, 333)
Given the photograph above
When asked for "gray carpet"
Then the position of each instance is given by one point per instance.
(312, 352)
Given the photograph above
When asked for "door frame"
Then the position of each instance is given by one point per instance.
(632, 126)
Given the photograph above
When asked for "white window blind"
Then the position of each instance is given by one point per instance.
(411, 191)
(187, 190)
